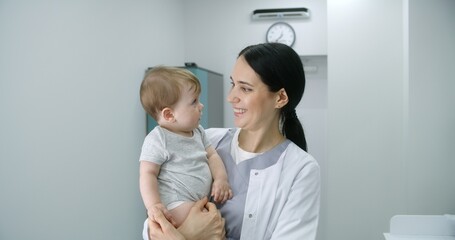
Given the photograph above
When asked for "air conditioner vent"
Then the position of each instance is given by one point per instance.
(280, 13)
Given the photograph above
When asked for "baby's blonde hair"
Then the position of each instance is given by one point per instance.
(162, 86)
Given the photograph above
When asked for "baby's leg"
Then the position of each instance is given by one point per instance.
(181, 212)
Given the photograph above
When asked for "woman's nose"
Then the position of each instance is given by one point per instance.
(231, 97)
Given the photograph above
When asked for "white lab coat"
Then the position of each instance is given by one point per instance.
(283, 200)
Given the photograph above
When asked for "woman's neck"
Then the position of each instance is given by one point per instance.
(259, 141)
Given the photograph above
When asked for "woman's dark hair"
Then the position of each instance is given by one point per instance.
(279, 66)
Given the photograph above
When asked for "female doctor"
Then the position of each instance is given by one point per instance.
(276, 183)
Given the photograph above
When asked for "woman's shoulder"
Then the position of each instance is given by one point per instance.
(217, 130)
(216, 134)
(295, 153)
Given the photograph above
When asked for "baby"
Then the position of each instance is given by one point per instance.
(177, 162)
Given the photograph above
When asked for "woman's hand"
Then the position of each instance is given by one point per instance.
(204, 221)
(161, 228)
(159, 207)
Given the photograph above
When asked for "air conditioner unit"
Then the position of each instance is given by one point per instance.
(280, 13)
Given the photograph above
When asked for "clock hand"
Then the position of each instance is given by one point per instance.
(281, 35)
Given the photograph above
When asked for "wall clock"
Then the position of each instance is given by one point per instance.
(281, 32)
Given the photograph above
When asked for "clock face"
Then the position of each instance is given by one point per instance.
(281, 32)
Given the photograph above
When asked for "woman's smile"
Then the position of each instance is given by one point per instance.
(239, 112)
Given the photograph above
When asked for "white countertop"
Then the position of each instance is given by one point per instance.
(389, 236)
(421, 227)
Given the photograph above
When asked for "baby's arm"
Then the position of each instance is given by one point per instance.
(148, 184)
(221, 191)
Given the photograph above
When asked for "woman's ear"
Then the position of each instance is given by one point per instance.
(282, 98)
(167, 115)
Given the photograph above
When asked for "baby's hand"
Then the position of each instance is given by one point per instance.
(221, 191)
(163, 209)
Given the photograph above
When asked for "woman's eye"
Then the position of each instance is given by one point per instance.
(246, 89)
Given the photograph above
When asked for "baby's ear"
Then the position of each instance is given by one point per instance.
(167, 115)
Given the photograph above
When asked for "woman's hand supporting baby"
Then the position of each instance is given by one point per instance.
(204, 221)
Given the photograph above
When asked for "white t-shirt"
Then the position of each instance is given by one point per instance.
(184, 172)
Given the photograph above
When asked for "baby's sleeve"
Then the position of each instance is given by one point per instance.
(153, 148)
(205, 140)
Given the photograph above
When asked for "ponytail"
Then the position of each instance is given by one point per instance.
(293, 130)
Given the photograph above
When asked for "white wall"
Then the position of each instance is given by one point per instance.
(390, 113)
(430, 163)
(71, 123)
(365, 55)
